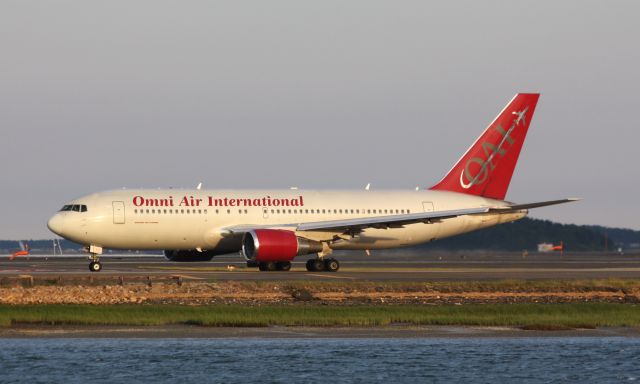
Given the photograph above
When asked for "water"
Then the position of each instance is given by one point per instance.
(245, 360)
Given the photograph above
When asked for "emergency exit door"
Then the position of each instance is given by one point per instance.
(118, 212)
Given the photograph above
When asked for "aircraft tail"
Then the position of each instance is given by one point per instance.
(487, 166)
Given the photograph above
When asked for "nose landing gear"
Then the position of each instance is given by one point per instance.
(94, 256)
(95, 266)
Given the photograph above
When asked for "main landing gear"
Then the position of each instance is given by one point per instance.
(313, 265)
(318, 265)
(274, 266)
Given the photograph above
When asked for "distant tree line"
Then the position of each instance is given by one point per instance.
(527, 234)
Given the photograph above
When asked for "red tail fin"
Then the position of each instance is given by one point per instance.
(487, 167)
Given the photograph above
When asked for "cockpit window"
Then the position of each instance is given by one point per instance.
(74, 207)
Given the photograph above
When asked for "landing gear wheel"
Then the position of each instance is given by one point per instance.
(331, 265)
(283, 265)
(310, 265)
(95, 266)
(315, 265)
(268, 266)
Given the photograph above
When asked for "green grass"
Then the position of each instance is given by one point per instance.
(531, 316)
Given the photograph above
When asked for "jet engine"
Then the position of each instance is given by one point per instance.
(264, 245)
(188, 255)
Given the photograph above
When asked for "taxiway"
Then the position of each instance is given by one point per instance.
(381, 267)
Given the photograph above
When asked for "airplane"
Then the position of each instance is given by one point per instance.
(24, 250)
(548, 247)
(272, 227)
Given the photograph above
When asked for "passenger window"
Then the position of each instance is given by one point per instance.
(408, 211)
(228, 211)
(216, 211)
(240, 211)
(245, 211)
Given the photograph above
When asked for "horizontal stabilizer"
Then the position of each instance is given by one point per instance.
(518, 207)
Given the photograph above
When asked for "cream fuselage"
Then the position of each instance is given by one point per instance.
(175, 219)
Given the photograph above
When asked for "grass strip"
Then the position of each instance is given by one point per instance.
(533, 316)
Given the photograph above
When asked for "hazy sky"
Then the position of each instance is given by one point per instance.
(98, 95)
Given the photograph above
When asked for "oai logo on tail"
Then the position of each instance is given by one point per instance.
(490, 150)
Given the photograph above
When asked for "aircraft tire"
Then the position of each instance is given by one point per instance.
(95, 266)
(310, 265)
(283, 265)
(268, 266)
(331, 265)
(318, 265)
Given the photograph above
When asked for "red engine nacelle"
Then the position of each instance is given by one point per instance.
(262, 245)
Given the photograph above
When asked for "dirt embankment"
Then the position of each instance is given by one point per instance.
(228, 292)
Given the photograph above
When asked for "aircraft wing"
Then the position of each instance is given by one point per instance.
(358, 224)
(384, 222)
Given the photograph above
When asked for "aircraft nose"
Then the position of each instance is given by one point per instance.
(56, 224)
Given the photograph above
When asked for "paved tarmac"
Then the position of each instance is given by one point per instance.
(378, 267)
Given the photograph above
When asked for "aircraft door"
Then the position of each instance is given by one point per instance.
(118, 212)
(427, 206)
(265, 212)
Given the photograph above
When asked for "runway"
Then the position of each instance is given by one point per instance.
(378, 267)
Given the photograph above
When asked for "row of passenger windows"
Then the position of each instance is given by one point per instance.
(172, 211)
(74, 207)
(341, 211)
(276, 211)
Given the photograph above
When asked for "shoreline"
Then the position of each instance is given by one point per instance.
(295, 332)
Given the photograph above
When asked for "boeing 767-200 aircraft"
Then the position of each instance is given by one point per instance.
(271, 227)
